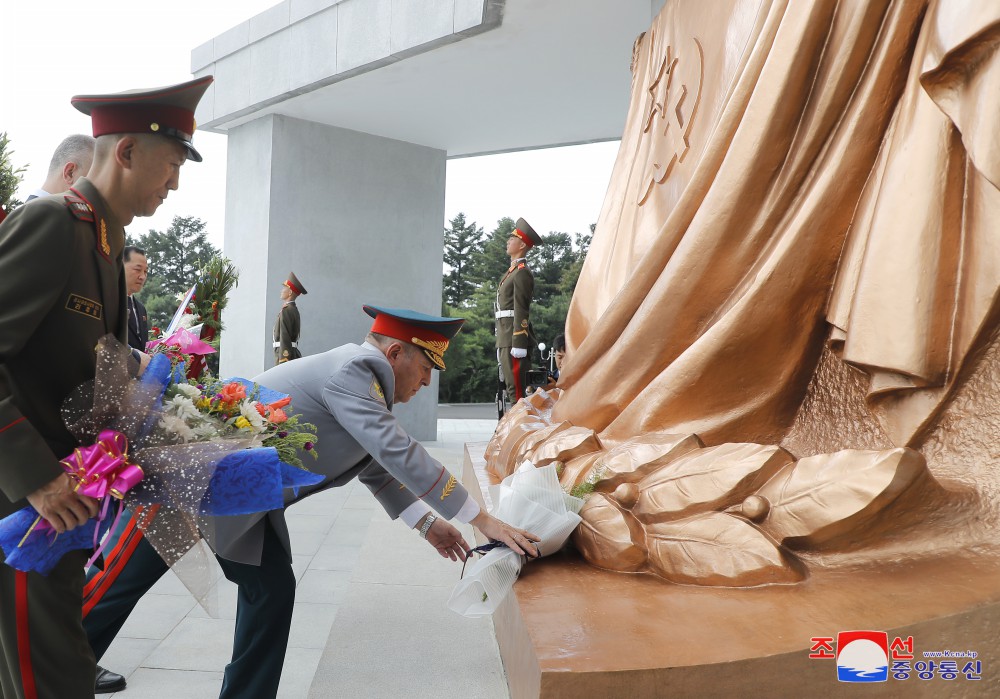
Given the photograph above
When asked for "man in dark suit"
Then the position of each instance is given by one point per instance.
(63, 290)
(136, 269)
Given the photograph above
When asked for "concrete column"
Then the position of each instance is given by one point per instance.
(359, 220)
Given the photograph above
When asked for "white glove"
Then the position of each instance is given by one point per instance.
(518, 353)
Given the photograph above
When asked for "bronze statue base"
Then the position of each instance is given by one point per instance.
(571, 630)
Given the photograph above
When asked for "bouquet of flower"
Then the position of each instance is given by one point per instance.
(188, 448)
(530, 498)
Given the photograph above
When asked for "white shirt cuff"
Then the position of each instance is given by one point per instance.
(469, 511)
(412, 514)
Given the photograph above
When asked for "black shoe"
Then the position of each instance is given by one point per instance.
(108, 682)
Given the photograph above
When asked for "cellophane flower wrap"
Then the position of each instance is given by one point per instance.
(198, 451)
(532, 499)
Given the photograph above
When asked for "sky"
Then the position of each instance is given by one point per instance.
(53, 51)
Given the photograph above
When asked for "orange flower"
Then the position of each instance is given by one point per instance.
(261, 410)
(233, 392)
(277, 416)
(280, 403)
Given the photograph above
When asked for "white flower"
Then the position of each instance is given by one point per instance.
(187, 321)
(177, 427)
(206, 431)
(182, 407)
(248, 411)
(188, 390)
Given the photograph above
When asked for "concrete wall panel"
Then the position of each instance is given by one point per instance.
(314, 48)
(468, 14)
(271, 20)
(416, 22)
(232, 40)
(356, 217)
(363, 32)
(246, 338)
(265, 55)
(232, 83)
(300, 9)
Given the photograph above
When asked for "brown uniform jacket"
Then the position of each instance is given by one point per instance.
(287, 327)
(62, 289)
(514, 294)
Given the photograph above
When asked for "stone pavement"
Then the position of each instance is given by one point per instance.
(370, 617)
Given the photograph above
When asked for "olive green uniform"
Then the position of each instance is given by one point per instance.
(63, 289)
(287, 327)
(513, 327)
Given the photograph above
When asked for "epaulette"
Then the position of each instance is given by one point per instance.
(522, 265)
(79, 208)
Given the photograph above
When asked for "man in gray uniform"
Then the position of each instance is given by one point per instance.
(348, 393)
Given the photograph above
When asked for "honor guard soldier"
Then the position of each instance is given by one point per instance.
(513, 303)
(288, 325)
(348, 393)
(63, 290)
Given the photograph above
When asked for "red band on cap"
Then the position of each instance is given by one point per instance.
(140, 118)
(294, 288)
(391, 326)
(523, 236)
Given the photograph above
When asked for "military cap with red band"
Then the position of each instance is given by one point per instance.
(430, 333)
(526, 233)
(295, 285)
(166, 111)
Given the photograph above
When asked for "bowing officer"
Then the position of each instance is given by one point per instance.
(348, 393)
(63, 289)
(288, 325)
(512, 309)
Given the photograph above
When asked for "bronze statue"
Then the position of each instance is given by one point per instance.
(798, 252)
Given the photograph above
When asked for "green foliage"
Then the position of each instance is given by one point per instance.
(586, 489)
(176, 257)
(472, 361)
(216, 279)
(10, 176)
(293, 444)
(460, 240)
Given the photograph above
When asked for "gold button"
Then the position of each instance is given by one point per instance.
(154, 126)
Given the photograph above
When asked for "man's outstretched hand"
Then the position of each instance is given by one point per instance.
(517, 540)
(448, 541)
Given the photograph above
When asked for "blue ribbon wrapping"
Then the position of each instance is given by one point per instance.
(244, 482)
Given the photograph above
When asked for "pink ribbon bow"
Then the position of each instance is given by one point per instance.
(103, 469)
(102, 472)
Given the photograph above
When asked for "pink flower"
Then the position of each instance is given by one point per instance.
(277, 416)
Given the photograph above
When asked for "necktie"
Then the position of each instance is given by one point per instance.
(133, 317)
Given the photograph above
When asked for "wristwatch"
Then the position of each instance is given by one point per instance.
(426, 526)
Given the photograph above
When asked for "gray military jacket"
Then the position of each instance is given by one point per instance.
(347, 393)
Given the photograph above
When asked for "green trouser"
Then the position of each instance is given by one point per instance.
(515, 375)
(45, 650)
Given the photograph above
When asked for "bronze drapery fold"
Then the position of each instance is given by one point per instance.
(714, 286)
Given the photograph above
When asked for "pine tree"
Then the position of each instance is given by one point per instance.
(460, 240)
(10, 177)
(175, 257)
